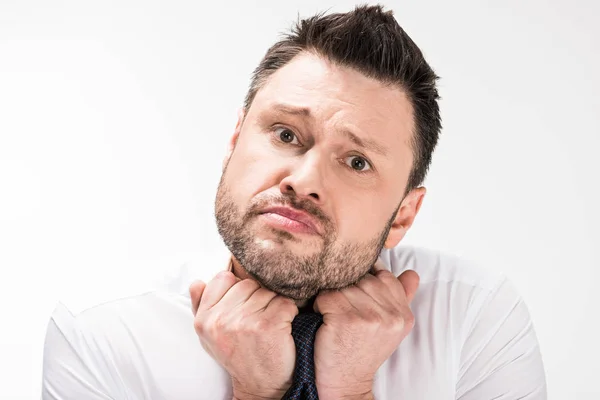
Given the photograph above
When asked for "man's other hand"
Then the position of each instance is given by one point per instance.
(363, 325)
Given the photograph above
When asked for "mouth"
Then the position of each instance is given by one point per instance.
(290, 220)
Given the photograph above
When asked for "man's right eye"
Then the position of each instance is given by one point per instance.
(286, 135)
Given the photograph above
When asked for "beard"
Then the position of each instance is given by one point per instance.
(331, 264)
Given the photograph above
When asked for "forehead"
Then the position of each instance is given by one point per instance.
(344, 95)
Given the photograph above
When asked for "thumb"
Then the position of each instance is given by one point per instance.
(196, 290)
(410, 280)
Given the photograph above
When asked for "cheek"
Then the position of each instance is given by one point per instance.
(359, 220)
(251, 171)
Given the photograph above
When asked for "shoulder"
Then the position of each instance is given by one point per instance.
(438, 266)
(170, 284)
(456, 294)
(478, 317)
(464, 289)
(86, 339)
(100, 313)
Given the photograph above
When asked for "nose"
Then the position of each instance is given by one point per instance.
(305, 180)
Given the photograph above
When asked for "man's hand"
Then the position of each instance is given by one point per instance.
(362, 326)
(248, 330)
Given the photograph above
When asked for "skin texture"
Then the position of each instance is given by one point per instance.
(280, 155)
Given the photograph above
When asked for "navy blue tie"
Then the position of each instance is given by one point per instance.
(304, 329)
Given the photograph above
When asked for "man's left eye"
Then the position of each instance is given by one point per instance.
(358, 163)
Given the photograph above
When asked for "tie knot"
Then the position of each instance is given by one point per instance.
(306, 324)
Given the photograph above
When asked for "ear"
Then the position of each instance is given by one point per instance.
(405, 216)
(234, 138)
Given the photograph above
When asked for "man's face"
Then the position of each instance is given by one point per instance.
(299, 147)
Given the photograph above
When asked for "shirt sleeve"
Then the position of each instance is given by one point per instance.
(500, 358)
(73, 366)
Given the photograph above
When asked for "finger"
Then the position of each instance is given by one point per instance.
(328, 301)
(410, 281)
(260, 300)
(196, 290)
(389, 279)
(341, 301)
(216, 289)
(281, 309)
(378, 287)
(360, 300)
(240, 294)
(379, 266)
(380, 271)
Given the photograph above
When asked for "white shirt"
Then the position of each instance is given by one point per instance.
(472, 340)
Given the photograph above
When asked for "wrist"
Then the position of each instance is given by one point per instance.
(361, 392)
(248, 396)
(340, 396)
(242, 394)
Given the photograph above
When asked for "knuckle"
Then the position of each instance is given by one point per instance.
(248, 285)
(354, 319)
(199, 327)
(262, 298)
(395, 323)
(288, 304)
(401, 322)
(386, 274)
(251, 326)
(376, 321)
(291, 308)
(283, 303)
(213, 326)
(284, 306)
(409, 320)
(374, 317)
(261, 325)
(207, 325)
(226, 276)
(218, 322)
(331, 296)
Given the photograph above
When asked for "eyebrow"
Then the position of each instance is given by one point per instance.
(368, 144)
(289, 109)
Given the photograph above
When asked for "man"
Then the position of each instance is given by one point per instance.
(321, 182)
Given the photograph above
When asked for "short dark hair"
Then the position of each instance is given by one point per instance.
(369, 40)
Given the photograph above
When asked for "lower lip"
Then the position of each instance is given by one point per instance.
(290, 225)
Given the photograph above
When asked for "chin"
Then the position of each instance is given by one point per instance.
(296, 294)
(298, 247)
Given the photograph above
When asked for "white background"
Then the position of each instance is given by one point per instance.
(114, 118)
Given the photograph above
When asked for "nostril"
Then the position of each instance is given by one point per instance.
(316, 196)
